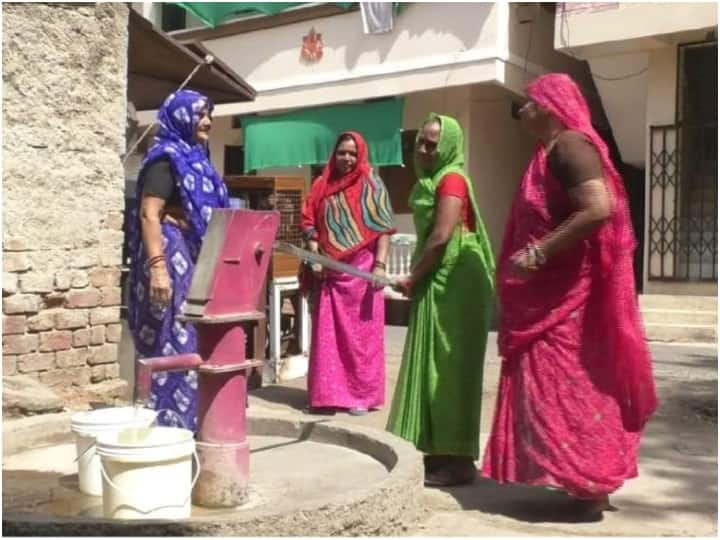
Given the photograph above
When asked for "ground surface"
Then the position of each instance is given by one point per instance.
(675, 494)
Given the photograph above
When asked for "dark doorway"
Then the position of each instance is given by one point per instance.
(697, 112)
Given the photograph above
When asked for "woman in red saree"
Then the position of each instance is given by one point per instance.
(348, 217)
(576, 385)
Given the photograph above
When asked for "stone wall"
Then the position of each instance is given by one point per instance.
(64, 107)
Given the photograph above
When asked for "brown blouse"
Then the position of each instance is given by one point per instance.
(574, 159)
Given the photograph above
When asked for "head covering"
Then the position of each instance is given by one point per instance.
(559, 94)
(450, 159)
(198, 184)
(450, 153)
(612, 305)
(345, 213)
(330, 181)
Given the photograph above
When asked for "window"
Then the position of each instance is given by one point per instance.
(697, 84)
(400, 180)
(172, 17)
(315, 171)
(234, 163)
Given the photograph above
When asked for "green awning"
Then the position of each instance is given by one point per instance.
(307, 136)
(214, 13)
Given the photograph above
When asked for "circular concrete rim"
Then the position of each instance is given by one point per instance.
(393, 504)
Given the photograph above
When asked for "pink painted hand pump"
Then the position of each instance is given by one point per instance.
(222, 304)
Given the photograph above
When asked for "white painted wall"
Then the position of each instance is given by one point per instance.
(434, 45)
(530, 33)
(634, 25)
(625, 100)
(661, 86)
(149, 10)
(423, 32)
(499, 153)
(222, 134)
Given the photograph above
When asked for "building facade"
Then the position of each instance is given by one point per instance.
(469, 60)
(655, 67)
(649, 71)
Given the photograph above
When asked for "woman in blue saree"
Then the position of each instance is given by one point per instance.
(176, 192)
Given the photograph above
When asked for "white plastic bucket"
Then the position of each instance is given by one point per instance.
(87, 425)
(147, 473)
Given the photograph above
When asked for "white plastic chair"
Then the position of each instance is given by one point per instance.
(399, 260)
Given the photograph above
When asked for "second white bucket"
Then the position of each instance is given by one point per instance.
(87, 425)
(147, 473)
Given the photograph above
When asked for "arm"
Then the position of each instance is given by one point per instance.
(151, 211)
(446, 219)
(594, 207)
(307, 225)
(381, 251)
(576, 163)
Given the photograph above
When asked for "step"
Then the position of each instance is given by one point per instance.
(685, 333)
(681, 302)
(679, 317)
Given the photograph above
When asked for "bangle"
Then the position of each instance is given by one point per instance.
(379, 264)
(539, 254)
(538, 257)
(154, 260)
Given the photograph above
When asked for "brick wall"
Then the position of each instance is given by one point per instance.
(61, 327)
(64, 73)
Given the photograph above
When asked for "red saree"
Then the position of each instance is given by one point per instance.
(576, 385)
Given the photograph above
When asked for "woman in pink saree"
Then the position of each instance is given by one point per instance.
(576, 385)
(348, 217)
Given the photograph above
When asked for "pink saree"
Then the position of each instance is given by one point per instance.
(347, 357)
(576, 385)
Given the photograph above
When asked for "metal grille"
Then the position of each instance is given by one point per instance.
(288, 203)
(683, 203)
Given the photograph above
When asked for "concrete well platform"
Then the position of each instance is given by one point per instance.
(307, 478)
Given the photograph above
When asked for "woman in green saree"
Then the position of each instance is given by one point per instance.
(437, 401)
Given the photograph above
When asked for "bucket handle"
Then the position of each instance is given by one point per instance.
(125, 493)
(94, 443)
(90, 447)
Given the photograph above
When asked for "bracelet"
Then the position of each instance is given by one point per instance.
(381, 265)
(538, 257)
(539, 254)
(309, 234)
(154, 260)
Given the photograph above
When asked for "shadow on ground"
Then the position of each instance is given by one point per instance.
(519, 502)
(295, 398)
(678, 461)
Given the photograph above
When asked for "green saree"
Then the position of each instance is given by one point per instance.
(437, 401)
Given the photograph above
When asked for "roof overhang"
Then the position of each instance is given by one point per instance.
(157, 65)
